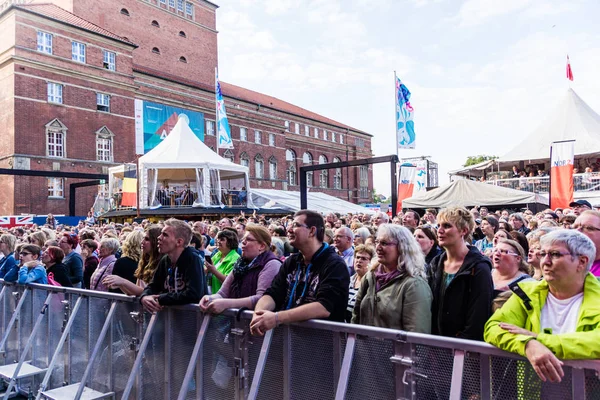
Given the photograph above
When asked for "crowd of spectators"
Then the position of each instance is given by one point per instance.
(523, 281)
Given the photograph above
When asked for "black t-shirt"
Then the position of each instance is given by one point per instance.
(125, 268)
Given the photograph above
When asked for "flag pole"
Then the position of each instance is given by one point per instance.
(216, 112)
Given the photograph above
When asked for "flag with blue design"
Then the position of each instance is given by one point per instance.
(405, 127)
(223, 131)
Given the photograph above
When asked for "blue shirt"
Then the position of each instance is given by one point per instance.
(9, 269)
(36, 274)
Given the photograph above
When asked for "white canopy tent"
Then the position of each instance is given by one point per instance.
(323, 203)
(467, 193)
(182, 157)
(573, 119)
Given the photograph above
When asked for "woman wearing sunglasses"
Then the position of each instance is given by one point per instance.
(32, 270)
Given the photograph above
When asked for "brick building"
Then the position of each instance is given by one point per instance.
(72, 70)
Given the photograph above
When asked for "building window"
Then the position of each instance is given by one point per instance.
(163, 1)
(44, 42)
(172, 3)
(102, 102)
(210, 128)
(55, 93)
(155, 24)
(306, 130)
(287, 126)
(324, 174)
(244, 160)
(290, 155)
(341, 139)
(317, 133)
(109, 60)
(104, 144)
(125, 12)
(56, 188)
(189, 8)
(272, 139)
(258, 166)
(183, 59)
(307, 158)
(324, 134)
(180, 5)
(291, 175)
(272, 168)
(337, 176)
(309, 179)
(333, 137)
(363, 191)
(182, 34)
(243, 134)
(56, 133)
(257, 137)
(78, 52)
(359, 142)
(228, 155)
(297, 128)
(156, 50)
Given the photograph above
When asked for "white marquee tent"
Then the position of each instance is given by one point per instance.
(323, 203)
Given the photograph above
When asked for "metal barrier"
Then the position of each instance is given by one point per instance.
(585, 182)
(59, 343)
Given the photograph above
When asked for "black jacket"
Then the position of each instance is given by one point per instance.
(60, 274)
(328, 278)
(466, 303)
(182, 283)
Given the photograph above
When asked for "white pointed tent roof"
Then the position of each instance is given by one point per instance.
(181, 152)
(572, 119)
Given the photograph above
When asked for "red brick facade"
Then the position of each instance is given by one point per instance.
(140, 73)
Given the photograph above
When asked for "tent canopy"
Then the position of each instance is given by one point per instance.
(474, 170)
(573, 119)
(323, 203)
(467, 193)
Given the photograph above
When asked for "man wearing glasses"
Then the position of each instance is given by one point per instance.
(310, 284)
(558, 317)
(579, 206)
(588, 223)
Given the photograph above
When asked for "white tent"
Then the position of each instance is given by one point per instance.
(286, 200)
(573, 119)
(182, 157)
(467, 193)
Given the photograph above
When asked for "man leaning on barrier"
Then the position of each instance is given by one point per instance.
(558, 317)
(310, 284)
(179, 278)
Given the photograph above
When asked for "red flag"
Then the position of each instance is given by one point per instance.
(561, 173)
(569, 70)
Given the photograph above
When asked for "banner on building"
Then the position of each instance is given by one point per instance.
(562, 157)
(223, 131)
(406, 183)
(405, 127)
(129, 194)
(420, 177)
(154, 122)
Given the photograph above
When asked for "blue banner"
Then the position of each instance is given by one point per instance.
(405, 127)
(223, 131)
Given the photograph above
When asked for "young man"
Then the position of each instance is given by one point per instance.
(311, 284)
(179, 278)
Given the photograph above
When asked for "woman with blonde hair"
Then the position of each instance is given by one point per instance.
(38, 238)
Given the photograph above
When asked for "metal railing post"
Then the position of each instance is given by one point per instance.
(13, 319)
(342, 383)
(485, 376)
(287, 362)
(189, 373)
(457, 374)
(260, 365)
(578, 383)
(138, 360)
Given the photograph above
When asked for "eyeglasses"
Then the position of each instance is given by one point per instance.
(554, 255)
(248, 239)
(587, 228)
(362, 258)
(299, 225)
(505, 252)
(25, 253)
(384, 243)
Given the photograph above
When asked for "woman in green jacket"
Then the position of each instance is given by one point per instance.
(223, 259)
(394, 293)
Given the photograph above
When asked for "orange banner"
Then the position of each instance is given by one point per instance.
(406, 184)
(561, 174)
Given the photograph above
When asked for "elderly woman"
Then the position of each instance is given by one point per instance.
(252, 274)
(145, 268)
(31, 270)
(395, 294)
(362, 260)
(533, 256)
(224, 259)
(73, 261)
(509, 264)
(126, 265)
(557, 317)
(426, 236)
(108, 248)
(52, 258)
(9, 268)
(360, 235)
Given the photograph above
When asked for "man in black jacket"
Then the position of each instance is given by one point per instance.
(179, 278)
(311, 284)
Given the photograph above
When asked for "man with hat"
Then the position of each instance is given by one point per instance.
(580, 206)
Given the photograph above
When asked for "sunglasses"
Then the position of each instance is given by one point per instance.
(25, 253)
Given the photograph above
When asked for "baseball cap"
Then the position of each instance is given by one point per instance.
(578, 203)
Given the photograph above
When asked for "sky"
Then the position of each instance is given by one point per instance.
(483, 73)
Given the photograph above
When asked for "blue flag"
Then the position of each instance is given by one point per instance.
(405, 127)
(223, 131)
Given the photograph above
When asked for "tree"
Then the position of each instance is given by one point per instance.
(472, 160)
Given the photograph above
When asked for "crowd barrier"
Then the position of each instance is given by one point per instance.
(59, 343)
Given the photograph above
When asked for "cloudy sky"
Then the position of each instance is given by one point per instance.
(483, 73)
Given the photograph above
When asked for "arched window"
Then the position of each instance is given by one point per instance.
(337, 176)
(56, 139)
(259, 166)
(307, 158)
(290, 155)
(155, 50)
(125, 12)
(291, 175)
(244, 160)
(183, 59)
(272, 168)
(182, 34)
(228, 155)
(155, 24)
(324, 174)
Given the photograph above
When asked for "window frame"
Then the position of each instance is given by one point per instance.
(272, 139)
(257, 136)
(210, 123)
(77, 56)
(103, 102)
(47, 40)
(259, 167)
(273, 168)
(189, 8)
(52, 97)
(243, 134)
(107, 63)
(180, 6)
(56, 139)
(54, 188)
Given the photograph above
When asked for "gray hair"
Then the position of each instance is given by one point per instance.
(383, 216)
(277, 247)
(111, 244)
(346, 231)
(518, 216)
(576, 242)
(363, 233)
(411, 257)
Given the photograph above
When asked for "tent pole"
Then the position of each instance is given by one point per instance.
(137, 186)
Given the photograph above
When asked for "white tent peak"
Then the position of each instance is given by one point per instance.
(572, 119)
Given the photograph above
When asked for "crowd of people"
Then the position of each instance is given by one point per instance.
(525, 282)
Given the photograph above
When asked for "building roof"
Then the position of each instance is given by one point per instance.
(52, 11)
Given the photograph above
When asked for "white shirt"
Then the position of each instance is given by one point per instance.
(561, 315)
